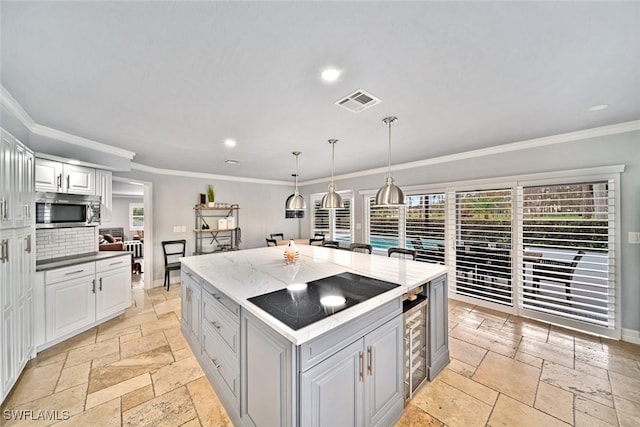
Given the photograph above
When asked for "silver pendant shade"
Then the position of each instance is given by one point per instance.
(332, 200)
(295, 204)
(389, 193)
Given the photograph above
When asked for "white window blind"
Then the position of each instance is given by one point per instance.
(483, 245)
(335, 224)
(425, 226)
(342, 220)
(383, 226)
(320, 222)
(568, 251)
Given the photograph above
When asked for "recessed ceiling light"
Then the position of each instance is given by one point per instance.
(230, 142)
(232, 162)
(330, 74)
(599, 107)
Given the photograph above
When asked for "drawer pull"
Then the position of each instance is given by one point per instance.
(215, 325)
(214, 363)
(73, 272)
(116, 263)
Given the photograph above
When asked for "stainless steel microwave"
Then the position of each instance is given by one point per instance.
(58, 210)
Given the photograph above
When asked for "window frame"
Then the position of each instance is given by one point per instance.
(317, 197)
(133, 206)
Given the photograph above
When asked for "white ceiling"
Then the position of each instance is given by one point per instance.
(171, 80)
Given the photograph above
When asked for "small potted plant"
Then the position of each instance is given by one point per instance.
(211, 196)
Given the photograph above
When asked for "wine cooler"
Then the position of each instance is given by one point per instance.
(415, 344)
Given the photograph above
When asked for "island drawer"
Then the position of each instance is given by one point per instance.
(71, 272)
(222, 324)
(221, 300)
(219, 361)
(111, 263)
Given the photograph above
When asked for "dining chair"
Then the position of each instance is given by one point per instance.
(171, 250)
(402, 252)
(331, 244)
(553, 270)
(272, 242)
(360, 247)
(277, 236)
(315, 241)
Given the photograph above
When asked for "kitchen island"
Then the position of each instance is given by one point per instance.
(346, 368)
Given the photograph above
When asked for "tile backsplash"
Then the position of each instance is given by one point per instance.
(60, 242)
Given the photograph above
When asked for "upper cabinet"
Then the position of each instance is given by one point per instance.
(16, 183)
(64, 178)
(104, 190)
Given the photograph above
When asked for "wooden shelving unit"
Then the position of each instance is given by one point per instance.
(209, 238)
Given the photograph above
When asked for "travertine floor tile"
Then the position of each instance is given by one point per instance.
(527, 328)
(105, 415)
(170, 305)
(82, 339)
(175, 375)
(487, 340)
(586, 420)
(176, 339)
(122, 322)
(136, 397)
(611, 362)
(73, 376)
(117, 390)
(465, 352)
(170, 409)
(588, 386)
(209, 408)
(416, 417)
(625, 386)
(596, 410)
(509, 412)
(529, 359)
(165, 321)
(472, 388)
(69, 401)
(142, 345)
(555, 401)
(92, 351)
(35, 383)
(628, 420)
(621, 348)
(451, 406)
(105, 336)
(461, 368)
(560, 355)
(182, 354)
(627, 406)
(508, 376)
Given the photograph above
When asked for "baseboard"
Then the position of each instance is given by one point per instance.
(631, 335)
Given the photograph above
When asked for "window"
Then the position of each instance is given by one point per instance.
(568, 256)
(335, 224)
(136, 216)
(425, 217)
(483, 245)
(383, 226)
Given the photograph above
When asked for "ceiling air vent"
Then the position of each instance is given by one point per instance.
(358, 101)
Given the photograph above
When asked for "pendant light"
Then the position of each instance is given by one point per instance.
(295, 204)
(332, 200)
(389, 193)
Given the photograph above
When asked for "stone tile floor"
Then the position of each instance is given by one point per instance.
(137, 370)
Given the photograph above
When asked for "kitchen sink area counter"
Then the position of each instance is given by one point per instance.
(346, 368)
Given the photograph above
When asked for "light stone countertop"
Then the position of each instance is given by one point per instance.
(247, 273)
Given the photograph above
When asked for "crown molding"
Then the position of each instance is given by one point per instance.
(498, 149)
(12, 106)
(187, 174)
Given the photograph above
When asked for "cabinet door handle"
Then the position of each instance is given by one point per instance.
(215, 363)
(74, 272)
(68, 180)
(59, 179)
(4, 257)
(101, 284)
(27, 244)
(93, 286)
(370, 357)
(215, 325)
(361, 355)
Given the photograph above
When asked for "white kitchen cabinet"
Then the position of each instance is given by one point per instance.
(16, 183)
(70, 305)
(84, 295)
(7, 143)
(104, 190)
(51, 175)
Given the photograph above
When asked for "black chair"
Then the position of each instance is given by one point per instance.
(331, 244)
(277, 236)
(316, 241)
(272, 242)
(402, 251)
(551, 270)
(360, 247)
(172, 248)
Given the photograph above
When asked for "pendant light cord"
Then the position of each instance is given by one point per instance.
(390, 149)
(296, 192)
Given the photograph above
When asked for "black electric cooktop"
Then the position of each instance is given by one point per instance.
(300, 305)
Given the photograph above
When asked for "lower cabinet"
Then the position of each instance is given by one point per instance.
(81, 295)
(191, 293)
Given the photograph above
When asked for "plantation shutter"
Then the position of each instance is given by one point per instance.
(568, 259)
(425, 225)
(483, 245)
(342, 228)
(320, 219)
(383, 226)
